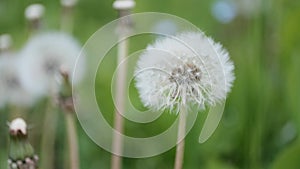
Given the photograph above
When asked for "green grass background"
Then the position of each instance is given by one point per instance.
(261, 122)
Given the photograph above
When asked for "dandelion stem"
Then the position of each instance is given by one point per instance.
(67, 19)
(123, 28)
(180, 137)
(15, 111)
(117, 144)
(72, 140)
(66, 103)
(48, 137)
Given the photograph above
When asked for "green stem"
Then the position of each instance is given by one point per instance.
(72, 140)
(67, 19)
(48, 137)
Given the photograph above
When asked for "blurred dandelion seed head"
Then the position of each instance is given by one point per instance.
(11, 86)
(43, 57)
(34, 11)
(190, 68)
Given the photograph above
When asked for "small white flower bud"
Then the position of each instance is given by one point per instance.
(18, 124)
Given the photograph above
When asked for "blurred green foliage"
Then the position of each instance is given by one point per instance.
(261, 123)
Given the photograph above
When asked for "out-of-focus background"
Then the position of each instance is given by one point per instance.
(261, 122)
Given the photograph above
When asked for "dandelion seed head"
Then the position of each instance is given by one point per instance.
(44, 56)
(34, 11)
(11, 87)
(189, 68)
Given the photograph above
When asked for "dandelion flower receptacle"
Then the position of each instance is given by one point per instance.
(176, 73)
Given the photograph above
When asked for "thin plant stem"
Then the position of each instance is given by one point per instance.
(72, 140)
(3, 142)
(180, 137)
(15, 111)
(117, 144)
(67, 19)
(48, 137)
(66, 104)
(34, 26)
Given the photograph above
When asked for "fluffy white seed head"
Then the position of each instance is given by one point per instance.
(189, 68)
(44, 56)
(11, 87)
(34, 11)
(18, 125)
